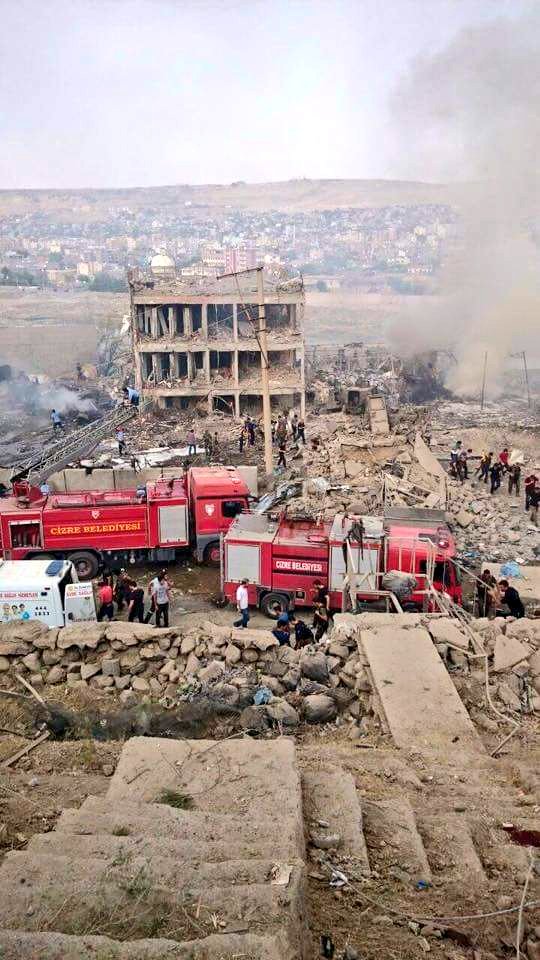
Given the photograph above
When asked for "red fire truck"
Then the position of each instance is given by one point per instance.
(153, 522)
(284, 558)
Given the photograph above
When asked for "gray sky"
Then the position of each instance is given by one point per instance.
(113, 93)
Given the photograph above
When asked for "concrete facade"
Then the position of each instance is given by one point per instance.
(195, 343)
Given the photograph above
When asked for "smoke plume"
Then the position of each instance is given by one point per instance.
(471, 114)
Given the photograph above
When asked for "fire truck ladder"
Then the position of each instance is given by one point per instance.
(59, 455)
(358, 582)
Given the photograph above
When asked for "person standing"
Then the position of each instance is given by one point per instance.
(514, 478)
(251, 431)
(242, 605)
(454, 458)
(241, 440)
(534, 500)
(503, 459)
(136, 604)
(106, 606)
(121, 440)
(321, 621)
(281, 455)
(207, 440)
(192, 443)
(56, 420)
(162, 597)
(485, 465)
(301, 431)
(530, 483)
(495, 474)
(294, 427)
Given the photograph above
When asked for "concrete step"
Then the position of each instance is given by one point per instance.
(132, 899)
(18, 945)
(450, 847)
(330, 796)
(420, 704)
(164, 868)
(107, 847)
(195, 833)
(245, 776)
(393, 840)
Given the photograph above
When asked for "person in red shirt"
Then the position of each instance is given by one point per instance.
(106, 606)
(503, 458)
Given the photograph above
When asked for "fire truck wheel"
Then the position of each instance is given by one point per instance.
(274, 604)
(85, 563)
(212, 554)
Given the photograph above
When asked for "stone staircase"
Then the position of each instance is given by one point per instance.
(127, 877)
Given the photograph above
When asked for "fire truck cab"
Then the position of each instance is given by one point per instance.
(216, 496)
(284, 560)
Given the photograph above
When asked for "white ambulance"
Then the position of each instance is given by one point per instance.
(45, 590)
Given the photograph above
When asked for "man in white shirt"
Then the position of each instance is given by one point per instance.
(162, 596)
(242, 605)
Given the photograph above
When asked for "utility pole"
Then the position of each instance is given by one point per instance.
(526, 372)
(263, 347)
(483, 395)
(267, 425)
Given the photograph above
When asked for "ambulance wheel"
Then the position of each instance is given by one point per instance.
(274, 604)
(212, 554)
(86, 564)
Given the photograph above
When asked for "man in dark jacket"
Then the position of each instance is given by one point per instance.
(512, 599)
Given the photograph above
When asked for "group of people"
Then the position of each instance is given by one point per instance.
(127, 592)
(493, 469)
(492, 596)
(287, 622)
(283, 428)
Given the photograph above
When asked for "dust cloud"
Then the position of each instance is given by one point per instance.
(470, 114)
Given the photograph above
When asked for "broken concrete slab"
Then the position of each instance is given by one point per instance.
(446, 631)
(508, 652)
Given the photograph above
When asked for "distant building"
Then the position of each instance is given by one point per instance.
(195, 342)
(240, 258)
(162, 265)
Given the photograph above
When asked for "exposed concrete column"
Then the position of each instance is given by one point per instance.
(237, 404)
(188, 326)
(235, 321)
(174, 366)
(154, 323)
(204, 320)
(210, 401)
(172, 320)
(235, 367)
(190, 364)
(206, 364)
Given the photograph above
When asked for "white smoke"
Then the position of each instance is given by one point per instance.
(471, 113)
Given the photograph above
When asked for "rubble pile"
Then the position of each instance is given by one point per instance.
(248, 670)
(491, 528)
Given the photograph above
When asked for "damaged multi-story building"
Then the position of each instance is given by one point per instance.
(196, 342)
